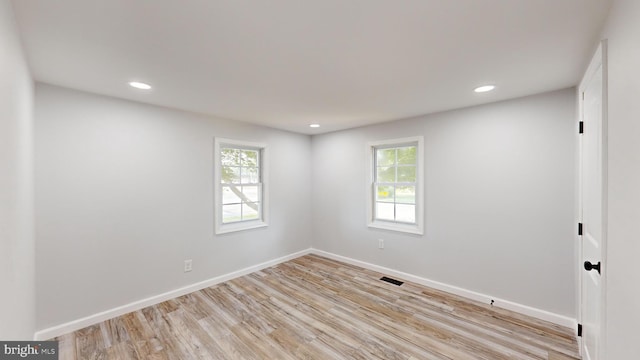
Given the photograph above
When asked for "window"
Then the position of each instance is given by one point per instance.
(239, 185)
(395, 196)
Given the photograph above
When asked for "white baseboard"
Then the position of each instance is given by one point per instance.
(505, 304)
(78, 324)
(71, 326)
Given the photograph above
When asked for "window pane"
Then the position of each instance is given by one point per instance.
(384, 193)
(249, 211)
(406, 194)
(230, 156)
(230, 175)
(407, 155)
(406, 213)
(249, 157)
(239, 194)
(384, 211)
(396, 181)
(250, 193)
(250, 175)
(229, 196)
(385, 157)
(406, 174)
(386, 174)
(231, 213)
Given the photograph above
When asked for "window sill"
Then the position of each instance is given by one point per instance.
(405, 228)
(234, 227)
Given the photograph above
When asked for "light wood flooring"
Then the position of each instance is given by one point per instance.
(315, 308)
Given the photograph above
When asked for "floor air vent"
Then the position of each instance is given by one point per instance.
(390, 280)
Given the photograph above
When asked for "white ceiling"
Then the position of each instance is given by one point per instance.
(289, 63)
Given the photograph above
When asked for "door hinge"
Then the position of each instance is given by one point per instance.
(579, 228)
(580, 330)
(581, 127)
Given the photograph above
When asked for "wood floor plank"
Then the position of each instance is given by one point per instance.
(162, 336)
(317, 308)
(123, 350)
(67, 346)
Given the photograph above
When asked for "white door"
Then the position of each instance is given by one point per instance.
(592, 198)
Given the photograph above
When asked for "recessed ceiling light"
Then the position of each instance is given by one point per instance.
(314, 125)
(484, 88)
(139, 85)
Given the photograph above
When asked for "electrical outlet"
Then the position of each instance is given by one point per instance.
(380, 243)
(188, 265)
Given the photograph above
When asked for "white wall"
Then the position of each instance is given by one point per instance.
(17, 302)
(623, 254)
(499, 200)
(124, 194)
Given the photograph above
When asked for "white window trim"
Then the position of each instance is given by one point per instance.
(220, 227)
(418, 227)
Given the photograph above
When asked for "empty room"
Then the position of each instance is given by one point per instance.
(419, 179)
